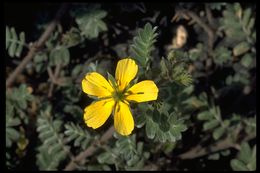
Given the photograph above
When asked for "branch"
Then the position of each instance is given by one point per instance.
(53, 78)
(89, 151)
(209, 15)
(206, 28)
(37, 45)
(199, 151)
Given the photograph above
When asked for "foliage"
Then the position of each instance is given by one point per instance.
(17, 101)
(12, 135)
(143, 44)
(52, 151)
(126, 154)
(90, 21)
(59, 55)
(160, 125)
(246, 159)
(78, 135)
(174, 68)
(205, 110)
(13, 43)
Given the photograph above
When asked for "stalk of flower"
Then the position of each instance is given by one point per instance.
(114, 96)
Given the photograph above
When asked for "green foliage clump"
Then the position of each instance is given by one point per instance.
(53, 149)
(90, 21)
(143, 44)
(78, 135)
(206, 102)
(246, 159)
(13, 43)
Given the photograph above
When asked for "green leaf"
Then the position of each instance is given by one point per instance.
(90, 22)
(53, 149)
(143, 44)
(214, 156)
(210, 125)
(241, 48)
(112, 80)
(127, 146)
(225, 152)
(245, 153)
(222, 55)
(156, 116)
(19, 97)
(13, 122)
(59, 55)
(140, 121)
(75, 133)
(246, 16)
(73, 110)
(20, 46)
(12, 134)
(106, 157)
(205, 115)
(150, 128)
(251, 24)
(237, 165)
(246, 60)
(218, 133)
(252, 164)
(237, 24)
(13, 44)
(166, 127)
(40, 60)
(168, 147)
(76, 70)
(7, 37)
(40, 57)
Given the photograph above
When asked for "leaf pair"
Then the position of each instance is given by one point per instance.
(13, 43)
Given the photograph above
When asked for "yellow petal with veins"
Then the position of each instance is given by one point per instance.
(126, 71)
(142, 92)
(123, 119)
(96, 85)
(96, 114)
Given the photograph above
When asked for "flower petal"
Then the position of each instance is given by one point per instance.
(125, 71)
(142, 92)
(96, 114)
(123, 119)
(95, 84)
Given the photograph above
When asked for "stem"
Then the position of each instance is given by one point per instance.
(53, 78)
(199, 151)
(209, 15)
(206, 28)
(90, 150)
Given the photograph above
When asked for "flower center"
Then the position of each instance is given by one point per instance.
(118, 95)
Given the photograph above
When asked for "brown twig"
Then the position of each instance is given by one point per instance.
(209, 15)
(37, 45)
(89, 151)
(200, 151)
(53, 78)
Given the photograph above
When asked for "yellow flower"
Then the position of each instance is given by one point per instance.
(115, 95)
